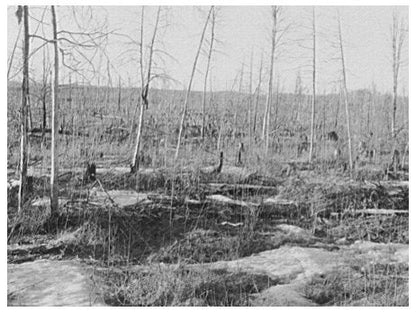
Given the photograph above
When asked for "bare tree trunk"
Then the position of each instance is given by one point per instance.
(136, 155)
(345, 91)
(394, 103)
(337, 108)
(323, 130)
(266, 119)
(258, 96)
(23, 114)
(119, 95)
(276, 107)
(55, 120)
(44, 124)
(69, 100)
(397, 36)
(185, 105)
(220, 130)
(234, 106)
(211, 44)
(43, 95)
(313, 88)
(109, 83)
(298, 97)
(370, 107)
(250, 100)
(238, 102)
(144, 90)
(29, 109)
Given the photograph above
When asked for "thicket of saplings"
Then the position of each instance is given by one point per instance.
(98, 126)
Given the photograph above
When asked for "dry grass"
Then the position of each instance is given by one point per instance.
(364, 285)
(161, 285)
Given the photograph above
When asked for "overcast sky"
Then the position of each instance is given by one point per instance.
(242, 31)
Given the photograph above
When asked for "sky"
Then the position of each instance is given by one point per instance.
(242, 33)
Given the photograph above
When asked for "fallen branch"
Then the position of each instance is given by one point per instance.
(232, 224)
(234, 188)
(228, 201)
(377, 211)
(277, 200)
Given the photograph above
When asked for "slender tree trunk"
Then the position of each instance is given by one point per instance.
(238, 103)
(276, 107)
(337, 108)
(323, 131)
(69, 100)
(298, 98)
(220, 130)
(24, 110)
(136, 155)
(55, 120)
(394, 103)
(313, 88)
(144, 91)
(250, 100)
(266, 119)
(345, 91)
(258, 96)
(43, 95)
(370, 108)
(211, 44)
(397, 36)
(119, 95)
(185, 105)
(29, 110)
(44, 124)
(109, 84)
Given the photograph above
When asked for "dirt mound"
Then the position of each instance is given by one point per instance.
(294, 267)
(50, 283)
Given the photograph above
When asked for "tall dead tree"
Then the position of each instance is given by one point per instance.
(185, 105)
(398, 35)
(24, 11)
(141, 64)
(339, 99)
(119, 95)
(238, 103)
(313, 86)
(250, 99)
(258, 90)
(279, 92)
(55, 119)
(266, 116)
(44, 92)
(145, 87)
(345, 92)
(370, 107)
(211, 46)
(298, 98)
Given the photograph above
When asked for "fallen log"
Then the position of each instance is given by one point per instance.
(24, 253)
(376, 211)
(221, 199)
(238, 188)
(278, 200)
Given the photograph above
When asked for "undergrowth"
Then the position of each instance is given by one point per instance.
(367, 285)
(160, 285)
